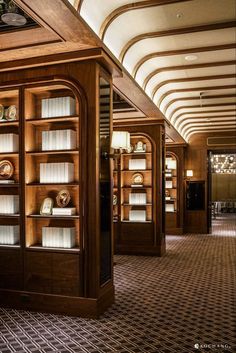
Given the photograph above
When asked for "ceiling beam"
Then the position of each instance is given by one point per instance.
(191, 79)
(230, 119)
(185, 67)
(197, 106)
(132, 6)
(194, 89)
(174, 32)
(179, 121)
(180, 52)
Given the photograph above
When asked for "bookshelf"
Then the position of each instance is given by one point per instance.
(62, 259)
(136, 216)
(171, 183)
(51, 165)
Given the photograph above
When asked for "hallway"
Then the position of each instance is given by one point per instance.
(163, 305)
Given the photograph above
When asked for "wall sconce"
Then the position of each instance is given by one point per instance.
(189, 173)
(120, 140)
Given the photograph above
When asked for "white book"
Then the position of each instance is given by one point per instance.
(170, 207)
(58, 237)
(9, 204)
(9, 143)
(169, 184)
(9, 235)
(137, 215)
(67, 211)
(56, 107)
(137, 164)
(137, 198)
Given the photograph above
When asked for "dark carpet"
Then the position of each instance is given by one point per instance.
(181, 303)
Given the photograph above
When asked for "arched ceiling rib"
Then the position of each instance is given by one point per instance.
(182, 53)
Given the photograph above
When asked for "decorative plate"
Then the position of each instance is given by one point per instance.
(63, 198)
(114, 200)
(6, 169)
(137, 179)
(1, 112)
(11, 112)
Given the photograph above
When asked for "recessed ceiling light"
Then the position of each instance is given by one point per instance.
(191, 57)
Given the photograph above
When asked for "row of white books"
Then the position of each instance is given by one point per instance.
(56, 172)
(137, 215)
(9, 143)
(170, 207)
(9, 235)
(137, 198)
(136, 164)
(56, 107)
(58, 140)
(169, 184)
(57, 237)
(9, 204)
(64, 211)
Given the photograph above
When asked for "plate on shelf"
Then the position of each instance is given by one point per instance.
(63, 198)
(6, 169)
(137, 179)
(11, 112)
(1, 112)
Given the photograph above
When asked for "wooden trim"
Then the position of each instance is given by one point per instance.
(214, 129)
(198, 106)
(80, 3)
(174, 32)
(203, 120)
(185, 67)
(180, 52)
(210, 88)
(179, 123)
(194, 98)
(191, 79)
(132, 6)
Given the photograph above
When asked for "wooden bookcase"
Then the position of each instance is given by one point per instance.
(174, 192)
(78, 278)
(137, 208)
(171, 192)
(11, 254)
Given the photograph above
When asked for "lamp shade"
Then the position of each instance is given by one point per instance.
(189, 173)
(170, 163)
(120, 139)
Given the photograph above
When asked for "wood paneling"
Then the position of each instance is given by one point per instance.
(223, 187)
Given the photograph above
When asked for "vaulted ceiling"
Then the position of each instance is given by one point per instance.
(182, 54)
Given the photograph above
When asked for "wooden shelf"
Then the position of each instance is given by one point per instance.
(10, 246)
(9, 123)
(13, 185)
(39, 121)
(51, 184)
(39, 153)
(127, 221)
(132, 204)
(136, 187)
(53, 216)
(136, 154)
(51, 249)
(8, 215)
(136, 170)
(12, 154)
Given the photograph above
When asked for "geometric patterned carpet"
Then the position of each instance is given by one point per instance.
(180, 303)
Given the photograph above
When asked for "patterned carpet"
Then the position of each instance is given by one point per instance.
(181, 303)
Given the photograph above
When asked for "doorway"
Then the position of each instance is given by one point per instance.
(222, 193)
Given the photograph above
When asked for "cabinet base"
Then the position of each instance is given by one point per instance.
(139, 250)
(174, 231)
(47, 303)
